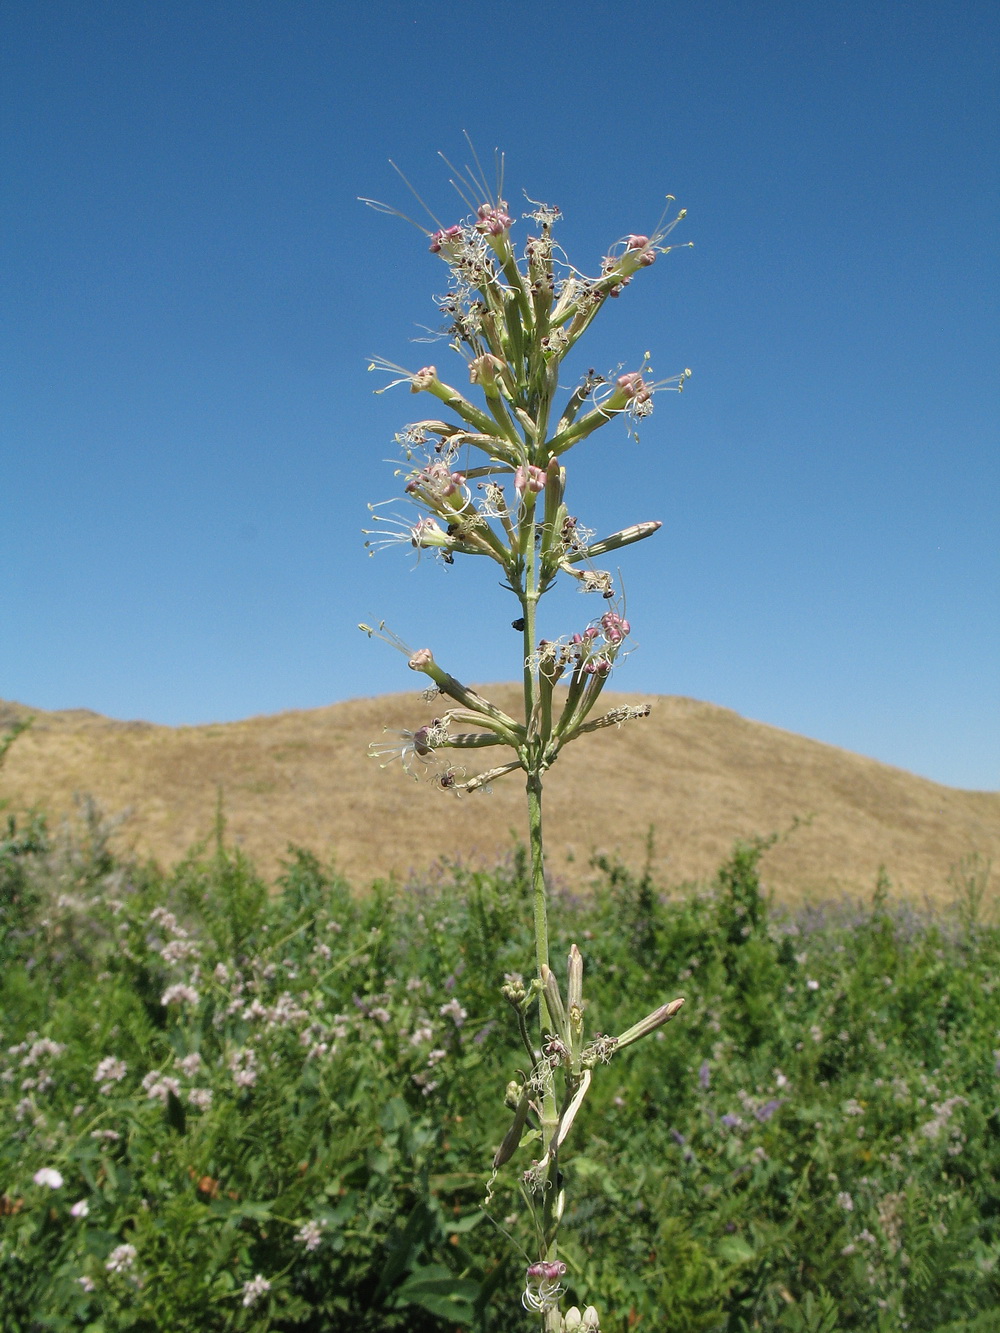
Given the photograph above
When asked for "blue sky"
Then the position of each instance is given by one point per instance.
(188, 432)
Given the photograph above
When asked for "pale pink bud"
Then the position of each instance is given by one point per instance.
(634, 386)
(614, 626)
(550, 1271)
(428, 532)
(442, 238)
(493, 221)
(637, 242)
(529, 478)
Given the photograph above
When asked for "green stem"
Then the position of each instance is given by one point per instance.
(529, 603)
(534, 788)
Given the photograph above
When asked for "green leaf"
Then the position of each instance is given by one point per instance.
(735, 1250)
(438, 1291)
(395, 1115)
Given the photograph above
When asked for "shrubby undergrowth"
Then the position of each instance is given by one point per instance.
(232, 1105)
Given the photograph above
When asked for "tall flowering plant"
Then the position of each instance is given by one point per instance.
(488, 478)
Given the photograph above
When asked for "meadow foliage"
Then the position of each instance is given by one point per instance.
(233, 1105)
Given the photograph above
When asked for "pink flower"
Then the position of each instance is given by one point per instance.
(529, 478)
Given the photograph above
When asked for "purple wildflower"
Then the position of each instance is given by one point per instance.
(764, 1113)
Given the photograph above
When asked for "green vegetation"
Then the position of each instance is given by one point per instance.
(293, 1141)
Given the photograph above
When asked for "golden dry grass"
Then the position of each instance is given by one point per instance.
(699, 775)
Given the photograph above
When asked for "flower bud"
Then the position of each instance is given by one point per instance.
(574, 979)
(428, 532)
(423, 379)
(421, 660)
(513, 990)
(529, 478)
(550, 989)
(484, 371)
(634, 387)
(572, 1320)
(649, 1024)
(443, 238)
(614, 626)
(512, 1138)
(493, 221)
(626, 537)
(591, 1320)
(550, 1271)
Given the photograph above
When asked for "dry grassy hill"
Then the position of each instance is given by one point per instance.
(699, 775)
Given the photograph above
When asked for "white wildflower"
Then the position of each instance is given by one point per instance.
(121, 1258)
(177, 950)
(454, 1011)
(160, 1085)
(39, 1049)
(255, 1289)
(110, 1071)
(310, 1234)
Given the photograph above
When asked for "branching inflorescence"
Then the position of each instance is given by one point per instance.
(489, 479)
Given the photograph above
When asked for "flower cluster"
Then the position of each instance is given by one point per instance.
(487, 477)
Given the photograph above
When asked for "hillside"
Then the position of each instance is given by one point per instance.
(699, 775)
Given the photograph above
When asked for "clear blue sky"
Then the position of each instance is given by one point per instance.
(189, 437)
